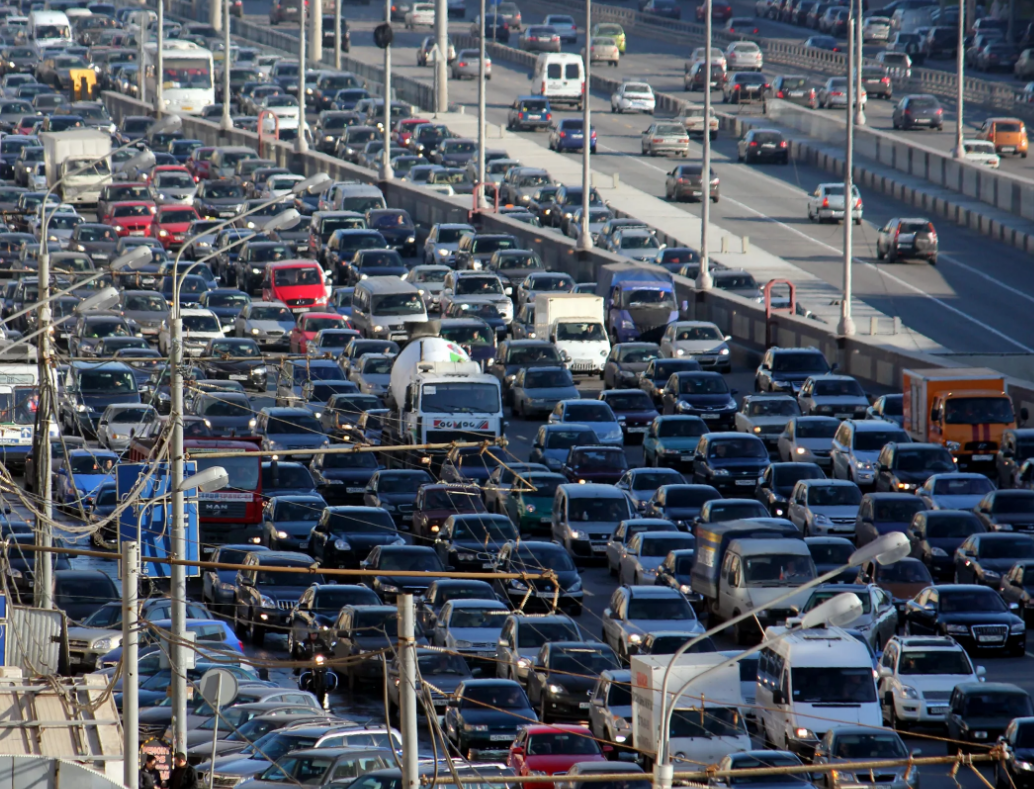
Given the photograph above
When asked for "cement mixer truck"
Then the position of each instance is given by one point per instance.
(438, 395)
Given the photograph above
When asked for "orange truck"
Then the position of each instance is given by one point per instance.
(966, 409)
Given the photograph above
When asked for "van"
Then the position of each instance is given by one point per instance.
(810, 681)
(359, 198)
(49, 29)
(381, 307)
(559, 77)
(585, 516)
(300, 284)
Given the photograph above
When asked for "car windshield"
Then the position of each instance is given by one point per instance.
(681, 428)
(296, 422)
(978, 411)
(566, 743)
(660, 609)
(971, 600)
(868, 746)
(1013, 504)
(359, 522)
(832, 685)
(287, 510)
(218, 406)
(715, 722)
(837, 387)
(1006, 548)
(540, 379)
(298, 275)
(966, 486)
(532, 634)
(800, 362)
(479, 617)
(494, 696)
(830, 553)
(729, 448)
(703, 385)
(633, 400)
(780, 407)
(834, 496)
(279, 314)
(538, 557)
(286, 578)
(565, 439)
(201, 323)
(1001, 705)
(580, 332)
(778, 569)
(107, 381)
(397, 304)
(915, 662)
(588, 412)
(874, 440)
(661, 546)
(478, 286)
(923, 459)
(486, 530)
(409, 561)
(603, 458)
(469, 335)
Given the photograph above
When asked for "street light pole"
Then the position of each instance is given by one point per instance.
(584, 235)
(159, 61)
(847, 327)
(960, 74)
(704, 280)
(337, 34)
(315, 35)
(859, 115)
(479, 189)
(300, 143)
(226, 124)
(386, 173)
(441, 65)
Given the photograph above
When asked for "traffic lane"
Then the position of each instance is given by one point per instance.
(931, 300)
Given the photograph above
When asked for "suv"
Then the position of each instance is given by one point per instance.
(264, 601)
(89, 388)
(856, 447)
(786, 369)
(523, 635)
(824, 506)
(905, 238)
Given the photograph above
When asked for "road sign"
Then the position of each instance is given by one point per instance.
(218, 687)
(154, 533)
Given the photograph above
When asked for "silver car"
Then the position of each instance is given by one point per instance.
(635, 243)
(833, 395)
(665, 138)
(429, 280)
(808, 439)
(372, 373)
(173, 188)
(120, 422)
(443, 241)
(852, 743)
(824, 507)
(266, 322)
(468, 64)
(766, 416)
(539, 38)
(598, 217)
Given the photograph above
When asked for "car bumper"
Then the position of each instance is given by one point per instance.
(921, 710)
(1011, 643)
(570, 706)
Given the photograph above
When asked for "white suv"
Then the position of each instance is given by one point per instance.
(199, 326)
(917, 677)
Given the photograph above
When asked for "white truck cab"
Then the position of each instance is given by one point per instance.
(573, 322)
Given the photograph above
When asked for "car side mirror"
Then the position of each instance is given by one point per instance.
(885, 672)
(1024, 415)
(981, 672)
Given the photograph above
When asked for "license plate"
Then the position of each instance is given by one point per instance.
(637, 429)
(227, 213)
(500, 737)
(238, 378)
(486, 565)
(136, 232)
(843, 416)
(1008, 149)
(983, 457)
(545, 520)
(745, 482)
(937, 710)
(796, 93)
(711, 416)
(768, 145)
(354, 490)
(599, 548)
(583, 705)
(686, 458)
(990, 639)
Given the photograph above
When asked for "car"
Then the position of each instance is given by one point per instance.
(469, 542)
(318, 608)
(540, 389)
(564, 25)
(596, 414)
(531, 556)
(879, 618)
(80, 475)
(568, 134)
(553, 442)
(625, 531)
(486, 713)
(468, 64)
(560, 681)
(833, 395)
(1015, 744)
(744, 87)
(907, 238)
(985, 558)
(442, 672)
(423, 55)
(258, 594)
(905, 467)
(826, 204)
(954, 490)
(842, 744)
(821, 507)
(759, 145)
(635, 611)
(983, 711)
(384, 559)
(1009, 135)
(644, 554)
(888, 408)
(605, 49)
(539, 38)
(633, 97)
(918, 110)
(1007, 510)
(743, 55)
(881, 513)
(471, 629)
(856, 448)
(776, 486)
(680, 504)
(935, 536)
(665, 138)
(685, 183)
(975, 616)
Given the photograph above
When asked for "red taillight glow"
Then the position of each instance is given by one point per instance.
(779, 95)
(753, 144)
(825, 202)
(782, 143)
(461, 64)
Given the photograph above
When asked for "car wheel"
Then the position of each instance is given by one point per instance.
(543, 715)
(256, 633)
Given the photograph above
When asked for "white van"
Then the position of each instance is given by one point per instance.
(49, 29)
(559, 77)
(812, 681)
(381, 307)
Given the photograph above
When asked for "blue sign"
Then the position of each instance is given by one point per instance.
(3, 629)
(153, 530)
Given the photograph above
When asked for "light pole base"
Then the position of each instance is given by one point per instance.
(704, 280)
(386, 173)
(584, 243)
(663, 775)
(846, 327)
(859, 117)
(300, 144)
(226, 124)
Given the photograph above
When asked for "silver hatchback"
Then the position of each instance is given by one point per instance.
(468, 65)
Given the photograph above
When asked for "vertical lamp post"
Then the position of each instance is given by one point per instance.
(704, 279)
(337, 34)
(226, 124)
(960, 73)
(383, 36)
(479, 190)
(584, 235)
(300, 143)
(859, 115)
(159, 63)
(441, 64)
(315, 34)
(847, 327)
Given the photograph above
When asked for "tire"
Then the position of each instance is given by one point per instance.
(880, 254)
(933, 261)
(257, 634)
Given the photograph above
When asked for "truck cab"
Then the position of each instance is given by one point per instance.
(573, 322)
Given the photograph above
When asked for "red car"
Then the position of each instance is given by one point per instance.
(171, 223)
(130, 218)
(199, 163)
(165, 168)
(720, 12)
(547, 749)
(309, 324)
(405, 130)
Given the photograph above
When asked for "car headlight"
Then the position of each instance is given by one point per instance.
(634, 638)
(863, 465)
(523, 662)
(389, 589)
(226, 587)
(908, 692)
(578, 535)
(281, 535)
(555, 688)
(935, 551)
(802, 733)
(256, 271)
(1018, 628)
(960, 629)
(252, 423)
(721, 472)
(991, 575)
(466, 557)
(518, 585)
(107, 644)
(823, 519)
(724, 351)
(529, 508)
(81, 408)
(268, 602)
(254, 331)
(475, 727)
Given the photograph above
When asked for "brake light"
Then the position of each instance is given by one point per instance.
(753, 144)
(583, 87)
(782, 143)
(940, 111)
(658, 139)
(461, 64)
(825, 202)
(543, 86)
(885, 81)
(779, 95)
(858, 203)
(563, 134)
(549, 116)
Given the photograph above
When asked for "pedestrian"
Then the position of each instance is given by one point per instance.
(183, 775)
(150, 778)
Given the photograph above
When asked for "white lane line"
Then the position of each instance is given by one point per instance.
(859, 261)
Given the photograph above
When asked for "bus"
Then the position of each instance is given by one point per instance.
(19, 400)
(187, 86)
(234, 513)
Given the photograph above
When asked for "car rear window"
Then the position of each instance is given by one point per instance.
(1009, 128)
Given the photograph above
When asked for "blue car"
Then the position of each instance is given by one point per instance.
(341, 301)
(78, 479)
(569, 135)
(181, 149)
(553, 443)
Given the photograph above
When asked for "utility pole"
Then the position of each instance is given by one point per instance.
(315, 34)
(386, 174)
(407, 692)
(41, 451)
(300, 144)
(130, 664)
(859, 115)
(226, 124)
(215, 16)
(847, 327)
(704, 279)
(584, 236)
(441, 64)
(337, 34)
(178, 546)
(960, 65)
(479, 190)
(159, 61)
(141, 83)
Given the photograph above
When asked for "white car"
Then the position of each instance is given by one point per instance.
(121, 421)
(420, 14)
(833, 95)
(917, 677)
(199, 326)
(826, 203)
(875, 28)
(717, 56)
(633, 97)
(701, 341)
(564, 25)
(279, 185)
(744, 56)
(285, 107)
(981, 152)
(824, 507)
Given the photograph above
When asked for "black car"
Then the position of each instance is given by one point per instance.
(234, 359)
(763, 145)
(389, 559)
(1007, 510)
(680, 504)
(533, 556)
(634, 409)
(794, 88)
(514, 355)
(831, 553)
(1011, 769)
(704, 394)
(919, 111)
(905, 467)
(317, 609)
(263, 598)
(342, 477)
(395, 490)
(778, 481)
(442, 673)
(975, 616)
(397, 228)
(345, 536)
(563, 676)
(744, 87)
(786, 369)
(984, 558)
(980, 712)
(1017, 445)
(729, 461)
(936, 535)
(363, 632)
(81, 592)
(225, 413)
(487, 714)
(470, 542)
(287, 521)
(280, 478)
(442, 590)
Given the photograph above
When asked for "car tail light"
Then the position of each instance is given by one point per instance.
(782, 143)
(753, 144)
(658, 139)
(461, 64)
(885, 80)
(563, 134)
(583, 87)
(858, 203)
(543, 86)
(779, 95)
(549, 116)
(940, 111)
(825, 202)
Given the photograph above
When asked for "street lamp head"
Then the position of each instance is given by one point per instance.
(887, 549)
(134, 259)
(164, 124)
(282, 221)
(318, 183)
(206, 481)
(101, 300)
(839, 611)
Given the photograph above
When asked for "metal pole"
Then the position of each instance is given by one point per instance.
(178, 541)
(44, 486)
(960, 68)
(315, 33)
(859, 115)
(441, 66)
(141, 72)
(300, 144)
(215, 16)
(386, 172)
(159, 68)
(226, 124)
(704, 280)
(130, 666)
(847, 327)
(479, 190)
(407, 692)
(215, 727)
(337, 34)
(584, 236)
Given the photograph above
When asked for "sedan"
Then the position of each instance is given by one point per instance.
(685, 183)
(760, 145)
(539, 38)
(975, 616)
(919, 111)
(984, 558)
(537, 390)
(468, 64)
(665, 138)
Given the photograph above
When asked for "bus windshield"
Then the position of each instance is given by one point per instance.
(186, 73)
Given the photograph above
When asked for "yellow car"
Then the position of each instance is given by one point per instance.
(611, 30)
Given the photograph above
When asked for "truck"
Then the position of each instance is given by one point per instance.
(707, 721)
(965, 409)
(639, 300)
(78, 163)
(574, 323)
(713, 541)
(436, 394)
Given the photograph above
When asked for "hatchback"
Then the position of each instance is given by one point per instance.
(568, 134)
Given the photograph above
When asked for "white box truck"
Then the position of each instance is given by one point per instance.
(573, 322)
(80, 160)
(707, 723)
